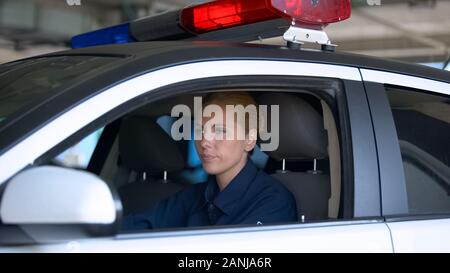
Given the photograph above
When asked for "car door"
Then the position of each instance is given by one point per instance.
(359, 228)
(412, 129)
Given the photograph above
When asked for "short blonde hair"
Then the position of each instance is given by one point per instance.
(233, 98)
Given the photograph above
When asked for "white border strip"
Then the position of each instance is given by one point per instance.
(404, 80)
(62, 127)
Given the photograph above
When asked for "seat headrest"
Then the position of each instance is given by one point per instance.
(145, 147)
(302, 133)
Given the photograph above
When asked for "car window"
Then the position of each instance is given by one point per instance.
(79, 155)
(145, 182)
(146, 166)
(30, 81)
(422, 121)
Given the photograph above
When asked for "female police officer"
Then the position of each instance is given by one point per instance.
(236, 191)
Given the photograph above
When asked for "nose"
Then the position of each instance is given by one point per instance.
(206, 141)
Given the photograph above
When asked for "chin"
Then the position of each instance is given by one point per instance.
(212, 168)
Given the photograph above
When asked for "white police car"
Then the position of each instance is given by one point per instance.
(363, 145)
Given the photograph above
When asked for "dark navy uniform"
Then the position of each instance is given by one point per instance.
(252, 197)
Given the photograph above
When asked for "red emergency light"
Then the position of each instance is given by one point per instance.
(222, 14)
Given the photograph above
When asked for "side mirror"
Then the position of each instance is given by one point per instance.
(53, 203)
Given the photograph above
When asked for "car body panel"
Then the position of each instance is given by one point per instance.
(392, 179)
(365, 236)
(406, 81)
(421, 235)
(181, 51)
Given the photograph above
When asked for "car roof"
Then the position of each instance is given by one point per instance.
(180, 51)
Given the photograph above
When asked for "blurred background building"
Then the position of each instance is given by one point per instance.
(409, 30)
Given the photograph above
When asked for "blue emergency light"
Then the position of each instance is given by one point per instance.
(118, 34)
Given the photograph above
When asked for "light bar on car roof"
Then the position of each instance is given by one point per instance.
(220, 16)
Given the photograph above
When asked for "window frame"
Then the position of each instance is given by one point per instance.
(351, 90)
(346, 136)
(353, 128)
(392, 178)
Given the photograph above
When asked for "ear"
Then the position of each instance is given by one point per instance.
(250, 141)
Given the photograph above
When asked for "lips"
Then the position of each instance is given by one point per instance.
(207, 157)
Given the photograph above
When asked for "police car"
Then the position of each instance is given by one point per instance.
(363, 146)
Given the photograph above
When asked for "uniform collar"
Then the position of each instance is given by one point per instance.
(227, 199)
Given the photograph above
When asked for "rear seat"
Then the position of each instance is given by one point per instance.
(146, 150)
(302, 138)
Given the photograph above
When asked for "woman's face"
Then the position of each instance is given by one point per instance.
(220, 148)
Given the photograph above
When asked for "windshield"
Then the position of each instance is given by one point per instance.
(26, 82)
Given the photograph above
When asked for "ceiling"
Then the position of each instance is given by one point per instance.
(410, 30)
(416, 33)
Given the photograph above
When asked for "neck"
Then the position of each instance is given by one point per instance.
(223, 179)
